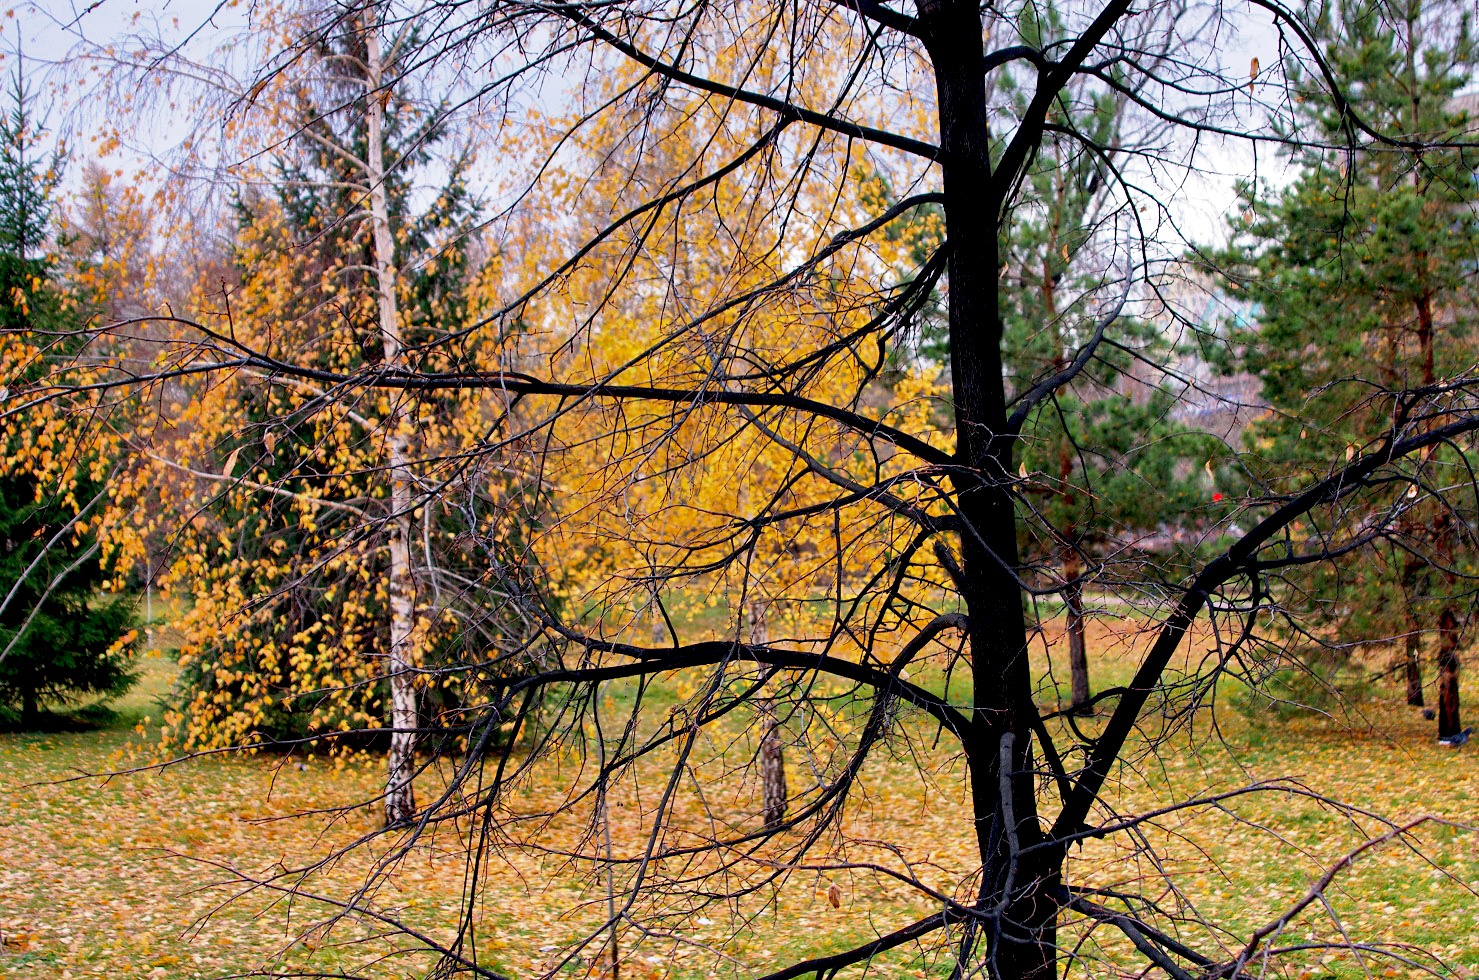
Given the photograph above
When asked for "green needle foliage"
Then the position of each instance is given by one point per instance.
(1362, 273)
(59, 641)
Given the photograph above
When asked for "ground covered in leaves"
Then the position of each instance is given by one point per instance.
(131, 877)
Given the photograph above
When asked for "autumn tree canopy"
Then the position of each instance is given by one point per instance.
(719, 237)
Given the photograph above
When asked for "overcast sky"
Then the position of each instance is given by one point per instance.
(49, 30)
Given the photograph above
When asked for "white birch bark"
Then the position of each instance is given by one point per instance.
(400, 801)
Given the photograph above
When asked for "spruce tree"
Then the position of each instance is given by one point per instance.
(292, 625)
(58, 640)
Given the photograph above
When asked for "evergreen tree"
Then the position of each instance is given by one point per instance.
(1361, 271)
(58, 641)
(292, 623)
(1108, 465)
(1103, 463)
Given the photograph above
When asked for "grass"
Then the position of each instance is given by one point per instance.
(123, 877)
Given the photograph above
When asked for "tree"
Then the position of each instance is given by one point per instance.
(1088, 458)
(309, 615)
(58, 640)
(704, 324)
(1092, 453)
(1363, 271)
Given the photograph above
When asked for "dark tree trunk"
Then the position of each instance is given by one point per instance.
(1078, 658)
(1017, 917)
(1073, 590)
(1413, 565)
(1017, 907)
(30, 708)
(1412, 642)
(1448, 703)
(1449, 633)
(1413, 668)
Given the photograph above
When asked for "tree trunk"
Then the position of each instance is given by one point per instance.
(773, 795)
(1449, 634)
(30, 708)
(1412, 667)
(1078, 659)
(1448, 703)
(1015, 911)
(1443, 541)
(1073, 591)
(772, 770)
(400, 801)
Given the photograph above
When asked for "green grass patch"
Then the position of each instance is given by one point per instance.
(124, 877)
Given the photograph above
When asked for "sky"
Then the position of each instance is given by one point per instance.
(49, 29)
(48, 33)
(46, 37)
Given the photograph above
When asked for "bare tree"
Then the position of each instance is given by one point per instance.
(720, 306)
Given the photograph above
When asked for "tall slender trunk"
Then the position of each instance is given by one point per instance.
(603, 802)
(400, 800)
(1412, 641)
(1448, 704)
(1073, 590)
(1078, 658)
(1411, 666)
(1449, 634)
(773, 793)
(1412, 564)
(1015, 910)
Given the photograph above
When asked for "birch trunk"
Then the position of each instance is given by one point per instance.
(772, 752)
(400, 801)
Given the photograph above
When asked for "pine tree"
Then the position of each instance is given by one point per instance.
(1090, 477)
(1361, 272)
(58, 641)
(1095, 481)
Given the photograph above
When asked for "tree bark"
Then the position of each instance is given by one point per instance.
(400, 801)
(772, 771)
(1073, 591)
(1078, 658)
(1412, 666)
(1449, 634)
(1448, 702)
(1013, 909)
(773, 792)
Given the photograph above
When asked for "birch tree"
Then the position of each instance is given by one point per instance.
(314, 561)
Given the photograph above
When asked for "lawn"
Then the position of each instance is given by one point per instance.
(126, 877)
